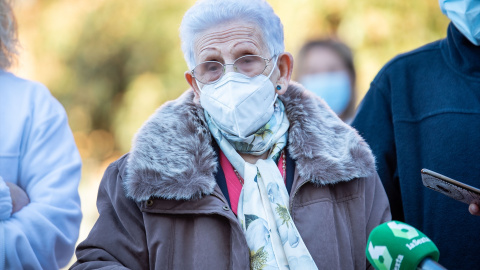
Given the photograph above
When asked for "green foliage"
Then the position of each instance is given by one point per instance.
(113, 62)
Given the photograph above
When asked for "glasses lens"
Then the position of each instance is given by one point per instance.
(208, 72)
(250, 65)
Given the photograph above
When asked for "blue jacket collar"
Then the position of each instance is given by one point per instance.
(462, 55)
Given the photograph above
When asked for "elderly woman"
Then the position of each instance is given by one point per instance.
(245, 170)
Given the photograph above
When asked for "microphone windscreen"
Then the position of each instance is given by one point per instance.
(396, 245)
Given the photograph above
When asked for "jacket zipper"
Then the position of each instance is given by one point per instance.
(223, 213)
(293, 197)
(237, 224)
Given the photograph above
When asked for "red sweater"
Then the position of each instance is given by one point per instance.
(233, 183)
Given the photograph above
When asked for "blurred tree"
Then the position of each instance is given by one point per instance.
(112, 63)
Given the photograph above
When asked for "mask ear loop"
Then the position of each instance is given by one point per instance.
(274, 66)
(278, 87)
(198, 84)
(268, 78)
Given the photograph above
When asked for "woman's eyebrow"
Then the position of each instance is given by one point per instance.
(246, 45)
(208, 51)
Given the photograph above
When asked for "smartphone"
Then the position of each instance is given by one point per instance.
(451, 188)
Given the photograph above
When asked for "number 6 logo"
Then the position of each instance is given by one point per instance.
(402, 230)
(380, 256)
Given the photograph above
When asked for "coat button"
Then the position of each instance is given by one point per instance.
(149, 202)
(226, 208)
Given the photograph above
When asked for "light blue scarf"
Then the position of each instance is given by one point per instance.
(263, 213)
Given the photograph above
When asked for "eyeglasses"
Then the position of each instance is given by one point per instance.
(210, 72)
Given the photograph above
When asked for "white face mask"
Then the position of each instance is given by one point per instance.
(238, 104)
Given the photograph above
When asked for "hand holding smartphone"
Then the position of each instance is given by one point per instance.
(451, 188)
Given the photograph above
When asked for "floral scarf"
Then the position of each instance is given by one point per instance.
(263, 213)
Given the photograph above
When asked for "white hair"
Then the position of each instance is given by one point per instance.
(8, 35)
(209, 13)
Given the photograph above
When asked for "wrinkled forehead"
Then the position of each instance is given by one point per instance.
(230, 35)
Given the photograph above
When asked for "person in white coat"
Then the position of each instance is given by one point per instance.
(39, 168)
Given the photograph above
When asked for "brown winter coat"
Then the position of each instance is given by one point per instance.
(161, 208)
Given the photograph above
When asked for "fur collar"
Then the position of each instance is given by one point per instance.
(172, 156)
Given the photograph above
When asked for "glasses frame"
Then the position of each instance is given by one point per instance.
(267, 62)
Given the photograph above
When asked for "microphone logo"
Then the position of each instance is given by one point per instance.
(381, 257)
(395, 245)
(402, 230)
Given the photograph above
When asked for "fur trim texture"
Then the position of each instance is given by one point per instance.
(172, 156)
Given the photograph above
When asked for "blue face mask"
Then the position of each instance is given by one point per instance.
(333, 87)
(465, 15)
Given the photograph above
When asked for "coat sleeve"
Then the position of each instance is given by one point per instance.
(375, 124)
(377, 209)
(42, 235)
(5, 200)
(117, 240)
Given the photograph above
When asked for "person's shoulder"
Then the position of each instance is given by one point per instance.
(21, 86)
(421, 52)
(118, 166)
(405, 61)
(112, 190)
(26, 100)
(114, 174)
(22, 92)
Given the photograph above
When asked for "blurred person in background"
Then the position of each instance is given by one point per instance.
(39, 168)
(326, 68)
(423, 111)
(244, 171)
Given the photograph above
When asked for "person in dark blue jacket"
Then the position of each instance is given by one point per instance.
(423, 111)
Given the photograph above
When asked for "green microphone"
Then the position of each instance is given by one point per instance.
(395, 245)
